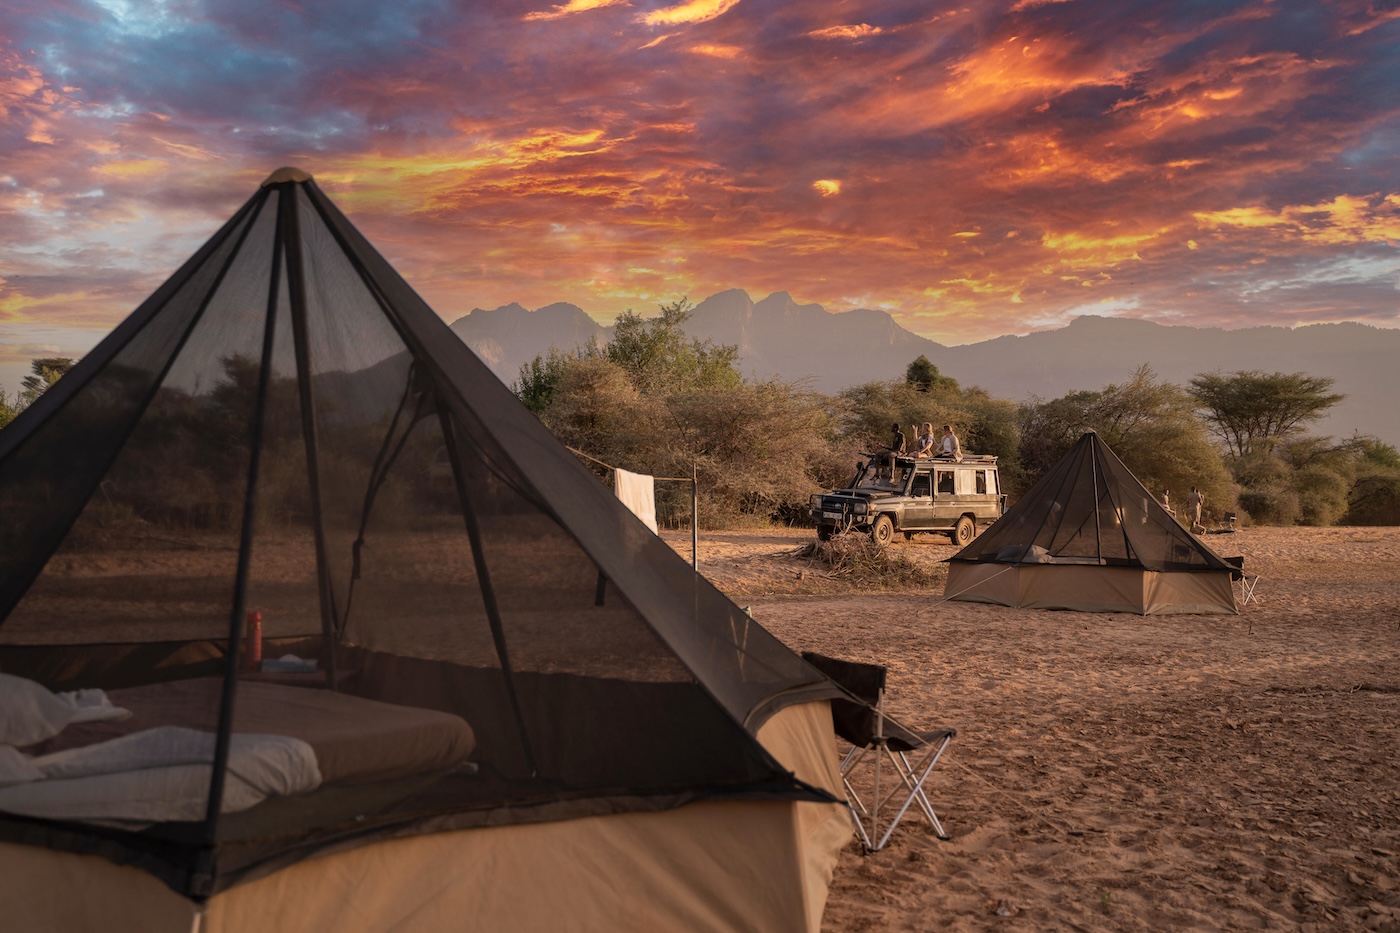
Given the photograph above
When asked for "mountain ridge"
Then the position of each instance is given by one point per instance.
(829, 351)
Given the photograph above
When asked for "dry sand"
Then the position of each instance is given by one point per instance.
(1115, 772)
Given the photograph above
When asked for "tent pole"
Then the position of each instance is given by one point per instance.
(229, 691)
(1098, 530)
(694, 516)
(301, 339)
(488, 592)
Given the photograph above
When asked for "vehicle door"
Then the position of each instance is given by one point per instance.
(918, 509)
(987, 493)
(946, 508)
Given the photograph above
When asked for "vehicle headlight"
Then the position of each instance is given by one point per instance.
(860, 508)
(815, 502)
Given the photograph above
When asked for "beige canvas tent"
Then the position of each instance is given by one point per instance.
(1090, 537)
(344, 688)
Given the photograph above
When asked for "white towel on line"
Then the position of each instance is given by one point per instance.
(638, 492)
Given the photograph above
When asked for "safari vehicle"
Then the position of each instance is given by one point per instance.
(913, 495)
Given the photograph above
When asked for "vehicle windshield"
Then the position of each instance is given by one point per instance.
(875, 476)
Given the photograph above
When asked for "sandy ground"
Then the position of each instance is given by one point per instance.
(1115, 772)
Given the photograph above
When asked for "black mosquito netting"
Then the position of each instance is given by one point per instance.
(1090, 509)
(285, 428)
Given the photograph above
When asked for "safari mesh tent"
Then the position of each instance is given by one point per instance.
(1089, 537)
(526, 712)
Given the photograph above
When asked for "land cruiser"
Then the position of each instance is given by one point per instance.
(912, 495)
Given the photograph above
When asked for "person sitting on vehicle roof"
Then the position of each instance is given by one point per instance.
(924, 447)
(886, 457)
(949, 448)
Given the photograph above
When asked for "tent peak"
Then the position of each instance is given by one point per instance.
(286, 173)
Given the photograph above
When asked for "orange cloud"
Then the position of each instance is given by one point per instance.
(1227, 87)
(717, 51)
(1343, 220)
(573, 6)
(696, 11)
(846, 32)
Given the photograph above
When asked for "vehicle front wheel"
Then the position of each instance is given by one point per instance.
(882, 532)
(964, 531)
(824, 532)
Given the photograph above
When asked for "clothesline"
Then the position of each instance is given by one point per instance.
(601, 463)
(694, 482)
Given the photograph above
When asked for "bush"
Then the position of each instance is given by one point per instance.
(1322, 495)
(1374, 500)
(854, 554)
(1273, 504)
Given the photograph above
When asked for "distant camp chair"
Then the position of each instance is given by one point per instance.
(875, 738)
(1246, 582)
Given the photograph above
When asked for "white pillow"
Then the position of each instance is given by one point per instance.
(30, 712)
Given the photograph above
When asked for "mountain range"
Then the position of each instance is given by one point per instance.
(777, 337)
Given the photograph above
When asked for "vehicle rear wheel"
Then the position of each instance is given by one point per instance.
(964, 531)
(882, 532)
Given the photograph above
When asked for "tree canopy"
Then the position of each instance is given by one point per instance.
(1151, 425)
(1251, 411)
(658, 356)
(657, 401)
(923, 376)
(44, 372)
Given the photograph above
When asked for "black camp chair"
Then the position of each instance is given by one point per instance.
(1245, 581)
(875, 738)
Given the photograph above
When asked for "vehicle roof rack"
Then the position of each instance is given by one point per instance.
(907, 460)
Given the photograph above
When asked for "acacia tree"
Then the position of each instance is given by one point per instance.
(45, 372)
(1251, 411)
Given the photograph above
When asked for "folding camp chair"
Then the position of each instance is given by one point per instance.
(876, 738)
(1245, 582)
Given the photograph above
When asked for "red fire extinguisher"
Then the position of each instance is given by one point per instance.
(252, 635)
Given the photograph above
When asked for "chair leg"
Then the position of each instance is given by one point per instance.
(855, 804)
(912, 777)
(915, 786)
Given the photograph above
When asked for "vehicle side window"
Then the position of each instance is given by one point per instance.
(945, 482)
(921, 485)
(981, 482)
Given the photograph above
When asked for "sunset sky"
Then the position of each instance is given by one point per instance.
(976, 169)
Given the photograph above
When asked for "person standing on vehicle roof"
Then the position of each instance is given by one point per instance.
(949, 448)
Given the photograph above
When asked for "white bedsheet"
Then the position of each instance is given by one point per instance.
(160, 775)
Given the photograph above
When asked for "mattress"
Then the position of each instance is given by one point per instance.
(356, 740)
